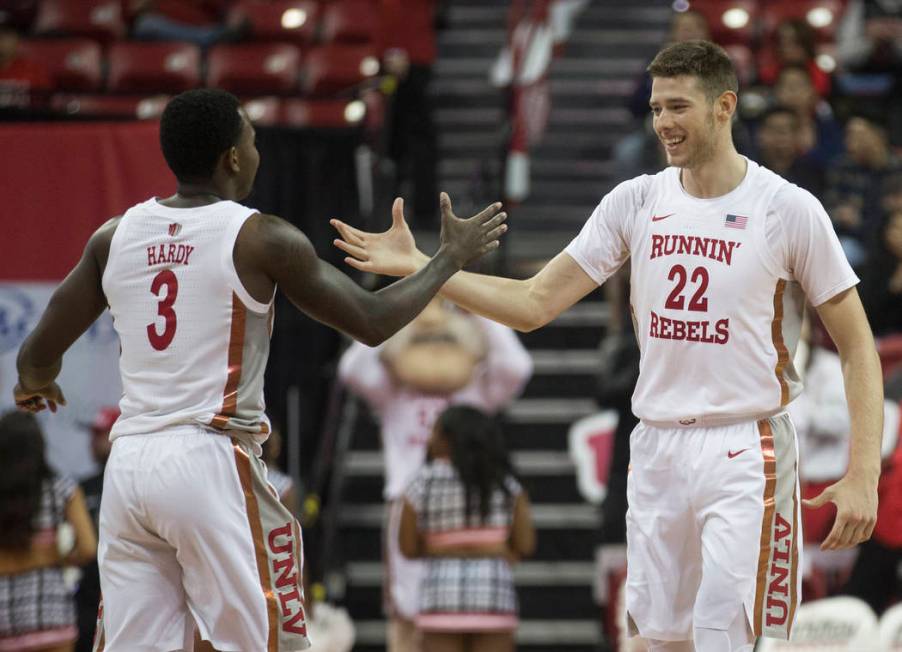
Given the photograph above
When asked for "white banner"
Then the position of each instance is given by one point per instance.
(89, 380)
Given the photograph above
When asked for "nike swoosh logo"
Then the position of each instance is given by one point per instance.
(658, 218)
(731, 454)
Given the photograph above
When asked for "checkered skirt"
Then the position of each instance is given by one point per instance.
(474, 585)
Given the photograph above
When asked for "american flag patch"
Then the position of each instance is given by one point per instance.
(735, 221)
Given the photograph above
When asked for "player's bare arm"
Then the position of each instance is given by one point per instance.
(855, 495)
(288, 259)
(521, 304)
(74, 306)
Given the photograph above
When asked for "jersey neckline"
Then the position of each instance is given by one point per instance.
(750, 168)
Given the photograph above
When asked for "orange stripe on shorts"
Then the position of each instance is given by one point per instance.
(243, 462)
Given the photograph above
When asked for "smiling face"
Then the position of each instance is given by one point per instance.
(685, 121)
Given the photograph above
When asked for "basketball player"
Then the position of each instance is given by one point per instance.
(190, 531)
(721, 250)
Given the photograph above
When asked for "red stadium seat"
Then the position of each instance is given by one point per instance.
(255, 68)
(263, 110)
(349, 21)
(73, 64)
(730, 21)
(822, 15)
(334, 68)
(278, 20)
(153, 67)
(109, 106)
(98, 19)
(328, 114)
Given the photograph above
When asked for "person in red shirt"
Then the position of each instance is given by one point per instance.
(407, 40)
(23, 83)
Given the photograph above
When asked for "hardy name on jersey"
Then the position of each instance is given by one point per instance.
(159, 254)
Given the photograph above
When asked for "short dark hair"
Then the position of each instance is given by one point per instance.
(197, 126)
(777, 109)
(701, 59)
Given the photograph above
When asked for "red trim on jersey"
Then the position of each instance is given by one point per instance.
(770, 487)
(236, 348)
(779, 344)
(243, 464)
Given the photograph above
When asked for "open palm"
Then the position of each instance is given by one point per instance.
(392, 253)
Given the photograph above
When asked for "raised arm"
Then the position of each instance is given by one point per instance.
(521, 304)
(287, 257)
(74, 306)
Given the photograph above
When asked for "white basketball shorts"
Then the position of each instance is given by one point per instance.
(192, 534)
(713, 527)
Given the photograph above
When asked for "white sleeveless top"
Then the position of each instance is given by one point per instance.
(716, 289)
(194, 342)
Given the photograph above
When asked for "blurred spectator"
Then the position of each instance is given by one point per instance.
(819, 133)
(855, 183)
(443, 357)
(23, 83)
(280, 481)
(795, 46)
(869, 43)
(45, 526)
(881, 280)
(779, 149)
(469, 517)
(407, 35)
(87, 597)
(202, 22)
(869, 38)
(684, 26)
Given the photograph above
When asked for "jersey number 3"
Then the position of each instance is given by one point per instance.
(166, 278)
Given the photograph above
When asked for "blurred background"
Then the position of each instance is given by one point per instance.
(542, 104)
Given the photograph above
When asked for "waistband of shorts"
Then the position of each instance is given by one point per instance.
(710, 421)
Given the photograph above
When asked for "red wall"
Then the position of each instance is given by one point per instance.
(60, 181)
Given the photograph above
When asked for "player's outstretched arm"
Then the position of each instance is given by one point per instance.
(521, 304)
(74, 306)
(326, 294)
(855, 495)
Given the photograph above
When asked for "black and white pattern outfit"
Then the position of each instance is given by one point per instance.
(463, 594)
(36, 608)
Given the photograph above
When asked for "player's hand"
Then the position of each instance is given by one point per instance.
(392, 253)
(36, 400)
(468, 239)
(856, 511)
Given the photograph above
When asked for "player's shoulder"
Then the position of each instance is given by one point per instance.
(784, 195)
(633, 192)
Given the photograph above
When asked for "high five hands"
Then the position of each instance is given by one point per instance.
(394, 252)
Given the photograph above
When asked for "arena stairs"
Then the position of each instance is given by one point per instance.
(571, 171)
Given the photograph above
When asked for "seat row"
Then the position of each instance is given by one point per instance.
(300, 22)
(749, 22)
(81, 65)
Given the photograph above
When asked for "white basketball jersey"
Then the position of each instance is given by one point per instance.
(716, 289)
(194, 342)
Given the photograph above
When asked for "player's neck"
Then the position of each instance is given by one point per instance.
(192, 195)
(717, 176)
